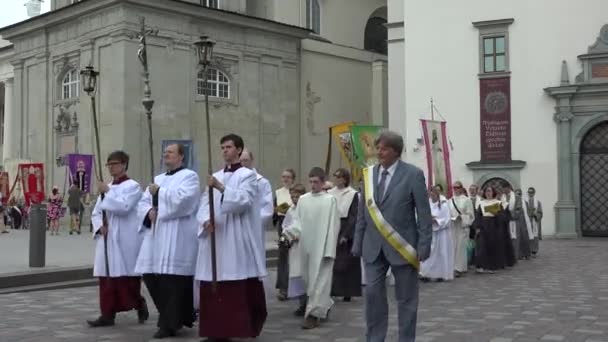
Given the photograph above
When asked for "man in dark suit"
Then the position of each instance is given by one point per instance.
(393, 230)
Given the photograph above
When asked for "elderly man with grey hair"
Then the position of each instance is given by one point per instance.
(394, 229)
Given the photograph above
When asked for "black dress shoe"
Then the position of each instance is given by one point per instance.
(101, 322)
(164, 333)
(300, 311)
(142, 313)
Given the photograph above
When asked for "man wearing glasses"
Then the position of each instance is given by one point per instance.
(121, 290)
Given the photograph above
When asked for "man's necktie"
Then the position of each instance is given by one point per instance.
(381, 186)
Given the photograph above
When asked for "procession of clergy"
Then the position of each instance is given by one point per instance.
(163, 235)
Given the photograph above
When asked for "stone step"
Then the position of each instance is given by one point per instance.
(61, 278)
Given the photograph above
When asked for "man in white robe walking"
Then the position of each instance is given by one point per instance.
(237, 307)
(167, 258)
(264, 199)
(121, 290)
(318, 221)
(462, 216)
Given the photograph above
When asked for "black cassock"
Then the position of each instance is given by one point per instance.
(490, 242)
(347, 268)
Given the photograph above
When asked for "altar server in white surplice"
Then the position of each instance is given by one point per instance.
(121, 290)
(167, 258)
(264, 198)
(440, 265)
(318, 220)
(237, 308)
(461, 210)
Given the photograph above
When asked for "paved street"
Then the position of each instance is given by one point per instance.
(561, 296)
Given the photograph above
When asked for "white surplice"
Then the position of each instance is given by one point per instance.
(264, 200)
(440, 264)
(344, 197)
(172, 247)
(318, 222)
(241, 253)
(296, 286)
(461, 223)
(124, 241)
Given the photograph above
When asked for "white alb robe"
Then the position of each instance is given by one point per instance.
(461, 224)
(241, 252)
(509, 203)
(440, 264)
(172, 247)
(296, 286)
(318, 222)
(344, 197)
(124, 241)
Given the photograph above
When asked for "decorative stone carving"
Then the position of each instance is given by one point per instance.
(66, 123)
(311, 100)
(564, 116)
(601, 44)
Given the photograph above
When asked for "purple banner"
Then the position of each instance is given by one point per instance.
(81, 168)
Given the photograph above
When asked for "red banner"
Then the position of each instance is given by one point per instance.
(5, 187)
(439, 169)
(32, 180)
(495, 119)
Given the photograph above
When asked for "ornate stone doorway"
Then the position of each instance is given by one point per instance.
(594, 181)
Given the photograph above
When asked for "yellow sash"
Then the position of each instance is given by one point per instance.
(386, 229)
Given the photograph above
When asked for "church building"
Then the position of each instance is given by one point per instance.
(523, 87)
(284, 71)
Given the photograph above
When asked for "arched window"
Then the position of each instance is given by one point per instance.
(376, 35)
(70, 85)
(313, 15)
(497, 183)
(218, 84)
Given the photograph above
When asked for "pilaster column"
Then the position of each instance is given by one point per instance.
(19, 139)
(8, 149)
(380, 93)
(565, 208)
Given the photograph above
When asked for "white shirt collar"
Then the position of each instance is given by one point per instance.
(391, 169)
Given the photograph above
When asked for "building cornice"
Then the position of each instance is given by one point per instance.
(85, 7)
(493, 23)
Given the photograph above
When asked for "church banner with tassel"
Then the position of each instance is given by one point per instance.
(437, 154)
(32, 180)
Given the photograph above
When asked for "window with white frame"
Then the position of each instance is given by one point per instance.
(211, 3)
(218, 84)
(493, 47)
(313, 15)
(70, 85)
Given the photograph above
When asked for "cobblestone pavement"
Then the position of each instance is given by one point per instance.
(560, 296)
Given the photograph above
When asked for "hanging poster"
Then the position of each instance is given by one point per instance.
(81, 169)
(32, 181)
(363, 142)
(437, 155)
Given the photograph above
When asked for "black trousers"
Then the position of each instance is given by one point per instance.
(173, 298)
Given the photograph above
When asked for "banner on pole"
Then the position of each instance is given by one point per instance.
(437, 155)
(5, 187)
(80, 171)
(32, 180)
(363, 142)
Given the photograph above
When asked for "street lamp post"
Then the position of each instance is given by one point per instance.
(89, 81)
(204, 53)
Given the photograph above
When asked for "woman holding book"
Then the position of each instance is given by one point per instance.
(489, 217)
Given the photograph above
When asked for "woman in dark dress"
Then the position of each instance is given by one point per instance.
(490, 221)
(347, 268)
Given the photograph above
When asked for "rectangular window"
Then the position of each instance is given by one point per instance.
(494, 54)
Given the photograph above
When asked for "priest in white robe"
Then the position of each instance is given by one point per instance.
(237, 308)
(318, 222)
(462, 216)
(264, 199)
(121, 290)
(440, 265)
(167, 258)
(291, 238)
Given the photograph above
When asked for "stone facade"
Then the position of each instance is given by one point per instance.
(271, 67)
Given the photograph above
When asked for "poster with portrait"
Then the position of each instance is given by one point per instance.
(437, 155)
(32, 181)
(5, 187)
(363, 142)
(189, 160)
(80, 171)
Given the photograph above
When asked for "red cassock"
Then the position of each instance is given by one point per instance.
(119, 294)
(236, 310)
